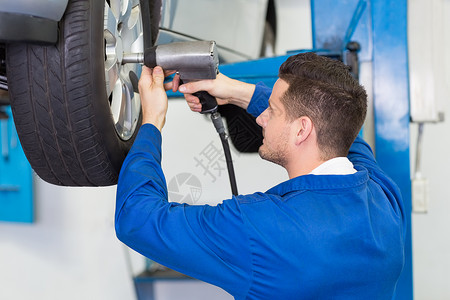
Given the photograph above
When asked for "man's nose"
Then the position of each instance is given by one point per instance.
(261, 120)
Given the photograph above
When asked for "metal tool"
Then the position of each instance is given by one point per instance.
(197, 60)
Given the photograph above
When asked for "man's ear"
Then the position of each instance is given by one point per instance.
(302, 127)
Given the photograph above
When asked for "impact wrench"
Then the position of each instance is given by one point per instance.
(193, 61)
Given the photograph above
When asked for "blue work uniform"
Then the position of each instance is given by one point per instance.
(310, 237)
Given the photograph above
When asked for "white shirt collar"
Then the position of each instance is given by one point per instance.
(335, 166)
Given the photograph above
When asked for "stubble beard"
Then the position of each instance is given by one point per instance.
(276, 156)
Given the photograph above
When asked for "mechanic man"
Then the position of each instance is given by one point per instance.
(335, 229)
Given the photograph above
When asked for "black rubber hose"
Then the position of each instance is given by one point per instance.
(218, 124)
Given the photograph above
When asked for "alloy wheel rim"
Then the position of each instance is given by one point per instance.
(123, 33)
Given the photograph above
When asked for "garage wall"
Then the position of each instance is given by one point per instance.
(71, 251)
(429, 48)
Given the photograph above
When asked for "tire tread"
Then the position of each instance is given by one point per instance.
(53, 103)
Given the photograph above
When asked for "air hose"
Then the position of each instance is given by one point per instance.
(216, 118)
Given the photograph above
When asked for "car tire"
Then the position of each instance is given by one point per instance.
(62, 104)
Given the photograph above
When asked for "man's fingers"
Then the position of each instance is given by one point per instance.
(158, 77)
(146, 78)
(195, 86)
(168, 86)
(193, 102)
(146, 71)
(195, 107)
(191, 99)
(169, 72)
(173, 85)
(175, 82)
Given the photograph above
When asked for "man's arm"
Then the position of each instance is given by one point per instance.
(361, 155)
(260, 100)
(225, 89)
(253, 98)
(205, 242)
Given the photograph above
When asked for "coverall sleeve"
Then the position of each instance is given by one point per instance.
(361, 155)
(260, 99)
(206, 242)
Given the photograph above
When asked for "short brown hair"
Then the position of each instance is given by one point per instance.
(323, 89)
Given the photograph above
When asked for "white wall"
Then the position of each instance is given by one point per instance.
(70, 252)
(431, 231)
(429, 48)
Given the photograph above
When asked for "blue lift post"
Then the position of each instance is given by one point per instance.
(392, 117)
(16, 187)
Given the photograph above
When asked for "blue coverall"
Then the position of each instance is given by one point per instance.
(310, 237)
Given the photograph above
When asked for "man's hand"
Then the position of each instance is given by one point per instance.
(153, 96)
(225, 89)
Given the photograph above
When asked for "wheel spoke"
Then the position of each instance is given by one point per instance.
(132, 36)
(126, 10)
(136, 109)
(134, 18)
(124, 122)
(116, 101)
(116, 8)
(125, 107)
(134, 3)
(128, 95)
(138, 45)
(109, 33)
(111, 76)
(111, 21)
